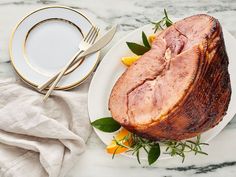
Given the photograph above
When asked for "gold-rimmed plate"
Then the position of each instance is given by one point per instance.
(45, 40)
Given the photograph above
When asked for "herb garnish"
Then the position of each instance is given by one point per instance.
(137, 143)
(145, 40)
(137, 48)
(140, 49)
(106, 124)
(163, 23)
(179, 148)
(152, 148)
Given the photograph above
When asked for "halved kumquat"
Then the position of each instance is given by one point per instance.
(114, 148)
(151, 38)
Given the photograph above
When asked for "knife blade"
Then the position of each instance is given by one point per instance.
(100, 43)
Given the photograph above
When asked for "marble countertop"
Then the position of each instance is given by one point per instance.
(132, 14)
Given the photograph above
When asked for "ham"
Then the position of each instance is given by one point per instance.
(178, 89)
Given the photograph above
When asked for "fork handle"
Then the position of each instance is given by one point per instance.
(51, 79)
(60, 75)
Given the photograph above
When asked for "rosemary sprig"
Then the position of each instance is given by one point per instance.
(179, 148)
(152, 148)
(163, 23)
(137, 143)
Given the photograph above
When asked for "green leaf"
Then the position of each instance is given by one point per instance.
(106, 124)
(168, 22)
(145, 40)
(165, 13)
(154, 153)
(137, 155)
(137, 48)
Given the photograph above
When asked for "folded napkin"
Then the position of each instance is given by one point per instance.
(40, 139)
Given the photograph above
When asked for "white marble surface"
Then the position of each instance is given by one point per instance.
(132, 14)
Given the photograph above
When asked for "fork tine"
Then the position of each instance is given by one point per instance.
(97, 32)
(91, 34)
(88, 34)
(94, 36)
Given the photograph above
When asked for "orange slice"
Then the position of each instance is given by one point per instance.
(128, 61)
(151, 38)
(113, 148)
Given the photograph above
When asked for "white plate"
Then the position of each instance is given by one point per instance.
(111, 68)
(45, 40)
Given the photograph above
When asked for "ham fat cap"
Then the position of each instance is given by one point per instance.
(178, 89)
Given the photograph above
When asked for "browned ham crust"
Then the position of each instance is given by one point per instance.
(178, 89)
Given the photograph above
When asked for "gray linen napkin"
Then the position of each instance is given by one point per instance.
(40, 139)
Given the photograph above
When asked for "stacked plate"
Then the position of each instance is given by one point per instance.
(45, 40)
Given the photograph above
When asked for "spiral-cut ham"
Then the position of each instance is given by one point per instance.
(178, 89)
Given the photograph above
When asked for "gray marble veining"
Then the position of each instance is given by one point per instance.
(130, 15)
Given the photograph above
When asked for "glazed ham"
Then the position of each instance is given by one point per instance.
(178, 89)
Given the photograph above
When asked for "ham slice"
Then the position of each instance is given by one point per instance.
(178, 89)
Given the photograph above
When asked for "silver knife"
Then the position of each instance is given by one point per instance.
(98, 45)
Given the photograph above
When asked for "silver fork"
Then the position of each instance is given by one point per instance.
(88, 40)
